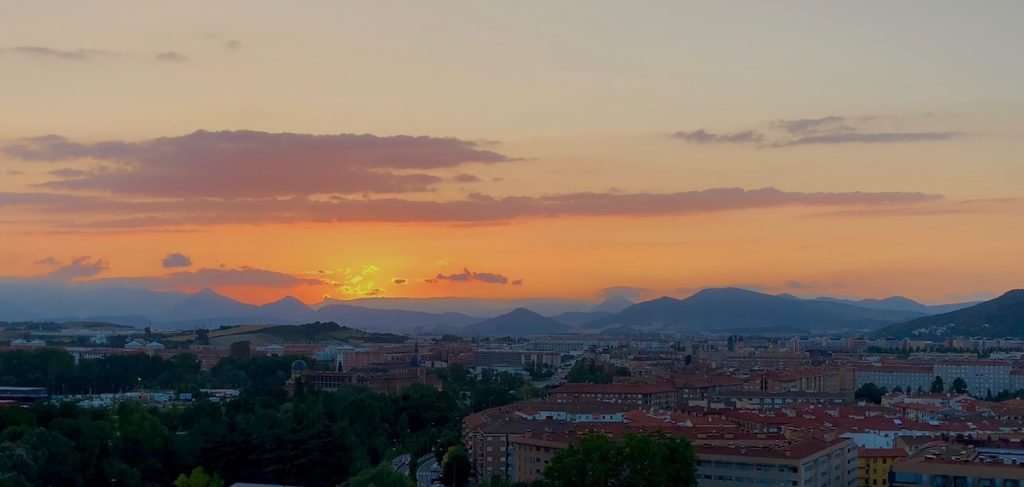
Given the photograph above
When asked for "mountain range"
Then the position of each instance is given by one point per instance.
(998, 318)
(722, 309)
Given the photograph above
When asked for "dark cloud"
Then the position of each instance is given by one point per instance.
(233, 45)
(49, 262)
(84, 266)
(256, 164)
(68, 172)
(476, 208)
(466, 178)
(51, 53)
(796, 285)
(171, 57)
(629, 292)
(466, 276)
(399, 281)
(517, 282)
(176, 259)
(703, 137)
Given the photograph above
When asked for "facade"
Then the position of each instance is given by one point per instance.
(641, 396)
(533, 452)
(808, 463)
(873, 465)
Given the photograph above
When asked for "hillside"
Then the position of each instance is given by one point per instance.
(728, 309)
(900, 303)
(997, 318)
(519, 322)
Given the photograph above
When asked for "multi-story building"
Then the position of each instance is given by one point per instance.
(661, 395)
(977, 464)
(806, 463)
(873, 465)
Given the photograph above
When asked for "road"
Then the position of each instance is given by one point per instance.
(426, 472)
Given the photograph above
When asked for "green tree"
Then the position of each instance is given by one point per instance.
(637, 460)
(937, 384)
(455, 467)
(870, 392)
(958, 386)
(198, 478)
(379, 476)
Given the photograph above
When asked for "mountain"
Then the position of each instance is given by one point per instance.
(574, 318)
(518, 322)
(389, 320)
(290, 308)
(998, 318)
(613, 304)
(480, 307)
(900, 303)
(207, 305)
(731, 308)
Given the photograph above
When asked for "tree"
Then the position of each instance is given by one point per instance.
(870, 392)
(637, 460)
(959, 386)
(198, 478)
(379, 476)
(937, 384)
(455, 467)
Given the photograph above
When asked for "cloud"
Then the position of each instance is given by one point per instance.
(703, 137)
(398, 281)
(476, 208)
(171, 57)
(629, 292)
(466, 178)
(62, 54)
(517, 282)
(832, 129)
(83, 266)
(49, 262)
(256, 164)
(796, 285)
(176, 259)
(233, 45)
(68, 172)
(467, 276)
(14, 172)
(870, 138)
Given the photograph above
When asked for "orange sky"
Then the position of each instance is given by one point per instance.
(546, 158)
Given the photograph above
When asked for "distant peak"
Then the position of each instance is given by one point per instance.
(204, 292)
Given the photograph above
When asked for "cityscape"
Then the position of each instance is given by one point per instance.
(524, 244)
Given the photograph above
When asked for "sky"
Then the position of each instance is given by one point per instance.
(518, 149)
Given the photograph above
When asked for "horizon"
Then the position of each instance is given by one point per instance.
(557, 151)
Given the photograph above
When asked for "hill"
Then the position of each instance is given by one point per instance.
(998, 318)
(519, 322)
(900, 303)
(613, 304)
(731, 308)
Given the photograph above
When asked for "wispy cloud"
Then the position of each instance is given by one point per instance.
(171, 57)
(60, 54)
(832, 129)
(702, 136)
(79, 267)
(476, 208)
(256, 164)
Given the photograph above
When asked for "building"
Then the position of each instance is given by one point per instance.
(641, 396)
(971, 464)
(534, 451)
(806, 463)
(874, 464)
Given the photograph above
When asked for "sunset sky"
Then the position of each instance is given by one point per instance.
(515, 149)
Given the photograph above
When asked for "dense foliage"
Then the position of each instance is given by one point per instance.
(262, 436)
(587, 370)
(647, 459)
(870, 392)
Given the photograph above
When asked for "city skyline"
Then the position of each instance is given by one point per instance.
(532, 150)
